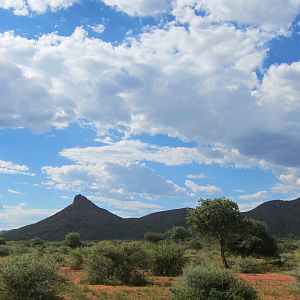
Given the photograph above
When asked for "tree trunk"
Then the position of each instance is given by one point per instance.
(224, 261)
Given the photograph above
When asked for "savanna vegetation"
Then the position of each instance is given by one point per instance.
(212, 259)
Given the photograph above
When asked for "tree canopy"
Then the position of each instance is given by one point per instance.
(217, 218)
(253, 239)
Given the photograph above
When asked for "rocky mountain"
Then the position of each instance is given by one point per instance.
(281, 217)
(94, 223)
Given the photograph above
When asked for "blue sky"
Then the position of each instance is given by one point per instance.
(147, 105)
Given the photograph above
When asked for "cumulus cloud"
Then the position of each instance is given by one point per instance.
(249, 205)
(257, 195)
(202, 189)
(25, 7)
(199, 84)
(128, 186)
(268, 14)
(140, 7)
(8, 167)
(14, 216)
(112, 178)
(126, 207)
(97, 28)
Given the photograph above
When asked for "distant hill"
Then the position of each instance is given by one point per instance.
(281, 217)
(94, 223)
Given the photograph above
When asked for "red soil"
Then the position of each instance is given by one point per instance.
(275, 285)
(272, 286)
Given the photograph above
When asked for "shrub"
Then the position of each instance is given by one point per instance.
(36, 242)
(77, 257)
(154, 237)
(29, 277)
(116, 264)
(72, 240)
(177, 234)
(2, 241)
(168, 259)
(249, 265)
(253, 239)
(204, 283)
(194, 244)
(4, 251)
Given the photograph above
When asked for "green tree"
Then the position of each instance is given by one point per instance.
(253, 239)
(177, 234)
(73, 240)
(218, 219)
(153, 237)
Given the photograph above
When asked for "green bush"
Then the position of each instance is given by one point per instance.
(153, 237)
(72, 240)
(2, 241)
(177, 234)
(4, 251)
(108, 263)
(204, 283)
(36, 242)
(168, 259)
(29, 277)
(77, 257)
(194, 244)
(249, 265)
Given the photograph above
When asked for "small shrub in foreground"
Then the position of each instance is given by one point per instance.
(194, 244)
(116, 264)
(72, 240)
(168, 259)
(249, 265)
(29, 277)
(77, 257)
(4, 251)
(204, 283)
(153, 237)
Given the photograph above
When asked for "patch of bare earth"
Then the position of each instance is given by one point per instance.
(157, 289)
(271, 286)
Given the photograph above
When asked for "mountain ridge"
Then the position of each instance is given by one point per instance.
(95, 223)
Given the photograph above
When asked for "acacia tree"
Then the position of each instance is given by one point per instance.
(253, 239)
(217, 218)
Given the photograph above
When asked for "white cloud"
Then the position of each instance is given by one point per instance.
(268, 14)
(14, 216)
(202, 189)
(25, 7)
(8, 167)
(97, 28)
(257, 195)
(203, 72)
(140, 207)
(250, 205)
(199, 176)
(15, 192)
(139, 7)
(112, 179)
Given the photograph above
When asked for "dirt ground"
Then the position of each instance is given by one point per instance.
(270, 286)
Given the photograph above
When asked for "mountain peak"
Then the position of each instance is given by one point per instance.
(80, 199)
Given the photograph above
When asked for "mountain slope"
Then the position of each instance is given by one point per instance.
(94, 223)
(281, 217)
